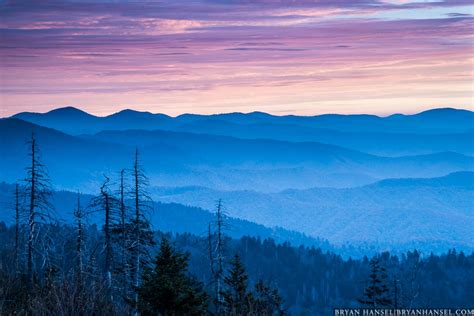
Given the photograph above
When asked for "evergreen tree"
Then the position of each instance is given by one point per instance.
(267, 300)
(376, 293)
(237, 300)
(167, 289)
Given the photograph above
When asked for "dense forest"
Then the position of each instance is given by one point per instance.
(123, 266)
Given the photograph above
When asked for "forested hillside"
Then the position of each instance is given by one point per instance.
(309, 281)
(320, 190)
(227, 163)
(172, 217)
(105, 257)
(411, 206)
(236, 157)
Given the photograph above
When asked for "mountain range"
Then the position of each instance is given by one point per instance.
(221, 162)
(430, 121)
(396, 135)
(360, 180)
(437, 210)
(169, 217)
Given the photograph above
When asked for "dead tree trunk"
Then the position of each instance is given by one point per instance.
(17, 229)
(123, 236)
(79, 241)
(219, 256)
(142, 236)
(38, 192)
(137, 229)
(31, 215)
(107, 208)
(106, 204)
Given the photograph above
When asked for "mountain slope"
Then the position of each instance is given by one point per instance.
(377, 143)
(431, 121)
(315, 158)
(74, 121)
(437, 121)
(72, 162)
(166, 217)
(65, 119)
(180, 159)
(396, 135)
(390, 212)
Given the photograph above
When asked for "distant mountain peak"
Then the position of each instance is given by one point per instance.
(443, 111)
(259, 114)
(130, 111)
(135, 114)
(67, 111)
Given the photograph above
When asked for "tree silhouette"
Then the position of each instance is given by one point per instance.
(121, 233)
(79, 216)
(376, 293)
(16, 258)
(267, 300)
(106, 203)
(142, 236)
(167, 289)
(237, 300)
(216, 254)
(38, 192)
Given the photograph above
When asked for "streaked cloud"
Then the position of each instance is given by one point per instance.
(217, 56)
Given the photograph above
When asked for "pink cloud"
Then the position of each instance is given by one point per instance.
(198, 56)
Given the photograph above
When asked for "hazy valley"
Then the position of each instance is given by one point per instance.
(323, 176)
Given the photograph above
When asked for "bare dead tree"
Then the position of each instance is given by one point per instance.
(121, 234)
(210, 250)
(220, 253)
(107, 229)
(216, 254)
(38, 191)
(78, 297)
(106, 203)
(17, 228)
(142, 234)
(123, 217)
(79, 216)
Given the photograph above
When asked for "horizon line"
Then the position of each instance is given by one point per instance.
(239, 112)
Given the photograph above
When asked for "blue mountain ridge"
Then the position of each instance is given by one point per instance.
(397, 135)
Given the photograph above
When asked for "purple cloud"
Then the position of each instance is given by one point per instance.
(135, 50)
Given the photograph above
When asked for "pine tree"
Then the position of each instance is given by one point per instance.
(376, 293)
(236, 299)
(167, 289)
(395, 293)
(267, 300)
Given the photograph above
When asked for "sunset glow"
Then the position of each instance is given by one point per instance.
(302, 57)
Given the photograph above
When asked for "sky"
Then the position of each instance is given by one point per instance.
(213, 56)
